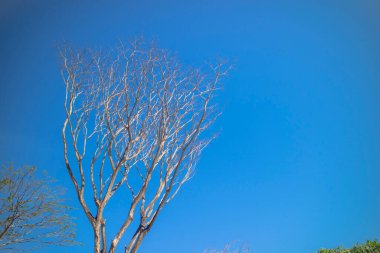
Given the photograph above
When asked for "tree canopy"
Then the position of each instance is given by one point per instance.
(367, 247)
(32, 213)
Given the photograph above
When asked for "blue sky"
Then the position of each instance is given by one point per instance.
(297, 164)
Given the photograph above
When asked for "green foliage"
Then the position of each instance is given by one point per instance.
(367, 247)
(32, 211)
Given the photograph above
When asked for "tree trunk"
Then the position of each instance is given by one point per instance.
(97, 239)
(138, 241)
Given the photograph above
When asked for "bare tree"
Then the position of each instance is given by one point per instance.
(31, 213)
(134, 117)
(233, 247)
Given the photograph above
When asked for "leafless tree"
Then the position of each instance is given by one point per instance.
(32, 214)
(133, 123)
(233, 247)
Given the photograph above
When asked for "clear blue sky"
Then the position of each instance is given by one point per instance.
(297, 163)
